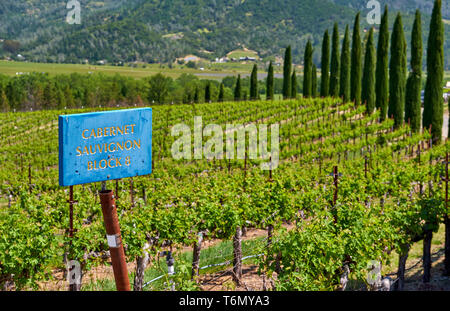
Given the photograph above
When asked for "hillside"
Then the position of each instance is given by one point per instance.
(161, 31)
(426, 6)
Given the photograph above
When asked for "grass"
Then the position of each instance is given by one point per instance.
(211, 70)
(209, 256)
(3, 202)
(242, 53)
(11, 68)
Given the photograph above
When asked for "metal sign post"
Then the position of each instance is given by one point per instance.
(114, 240)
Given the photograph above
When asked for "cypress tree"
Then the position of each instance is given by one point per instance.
(368, 81)
(287, 73)
(187, 97)
(325, 78)
(397, 73)
(413, 101)
(207, 93)
(221, 92)
(60, 98)
(4, 104)
(335, 65)
(294, 85)
(50, 100)
(237, 90)
(307, 71)
(433, 101)
(314, 81)
(196, 96)
(270, 83)
(254, 83)
(356, 68)
(382, 73)
(344, 84)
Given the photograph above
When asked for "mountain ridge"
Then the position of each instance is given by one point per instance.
(143, 30)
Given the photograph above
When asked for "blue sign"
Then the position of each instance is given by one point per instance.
(102, 146)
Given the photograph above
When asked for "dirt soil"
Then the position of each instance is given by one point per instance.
(438, 282)
(251, 280)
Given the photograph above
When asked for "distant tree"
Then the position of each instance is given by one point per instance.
(287, 73)
(186, 80)
(294, 85)
(270, 83)
(4, 104)
(325, 66)
(196, 96)
(307, 71)
(244, 95)
(187, 97)
(61, 100)
(254, 83)
(314, 81)
(397, 73)
(229, 81)
(344, 84)
(237, 89)
(70, 101)
(413, 103)
(158, 88)
(50, 100)
(88, 98)
(356, 67)
(368, 81)
(207, 92)
(221, 92)
(382, 70)
(433, 101)
(191, 64)
(11, 46)
(335, 65)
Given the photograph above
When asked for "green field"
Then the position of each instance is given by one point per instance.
(211, 70)
(242, 53)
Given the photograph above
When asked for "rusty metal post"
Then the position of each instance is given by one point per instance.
(117, 188)
(270, 171)
(336, 177)
(153, 160)
(446, 181)
(114, 238)
(447, 223)
(365, 167)
(72, 287)
(71, 214)
(29, 178)
(132, 192)
(320, 163)
(335, 195)
(418, 153)
(430, 142)
(245, 164)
